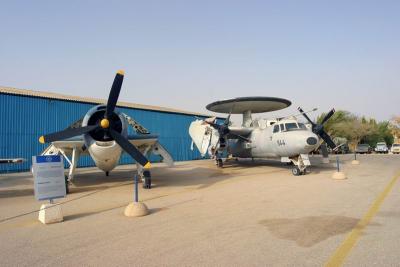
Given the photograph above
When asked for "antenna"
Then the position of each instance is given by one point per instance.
(298, 114)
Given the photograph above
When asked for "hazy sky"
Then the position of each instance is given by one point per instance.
(186, 54)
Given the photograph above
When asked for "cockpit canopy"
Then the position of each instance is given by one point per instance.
(287, 126)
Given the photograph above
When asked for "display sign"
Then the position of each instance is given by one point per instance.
(49, 180)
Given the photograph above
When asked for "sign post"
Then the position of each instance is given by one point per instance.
(136, 208)
(136, 198)
(49, 181)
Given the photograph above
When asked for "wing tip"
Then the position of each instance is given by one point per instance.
(121, 72)
(147, 165)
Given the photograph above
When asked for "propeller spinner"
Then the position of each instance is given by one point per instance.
(107, 125)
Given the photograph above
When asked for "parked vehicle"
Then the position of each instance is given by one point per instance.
(363, 149)
(395, 149)
(381, 147)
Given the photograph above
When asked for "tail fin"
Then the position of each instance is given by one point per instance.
(201, 135)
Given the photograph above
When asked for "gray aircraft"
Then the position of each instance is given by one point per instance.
(283, 138)
(103, 134)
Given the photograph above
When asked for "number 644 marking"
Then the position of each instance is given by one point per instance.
(281, 142)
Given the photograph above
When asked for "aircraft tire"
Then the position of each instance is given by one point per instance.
(147, 183)
(66, 185)
(220, 164)
(147, 180)
(296, 171)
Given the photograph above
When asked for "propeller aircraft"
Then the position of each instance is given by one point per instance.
(283, 138)
(103, 134)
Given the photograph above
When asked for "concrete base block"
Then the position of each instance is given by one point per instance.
(136, 209)
(325, 160)
(50, 213)
(355, 162)
(339, 176)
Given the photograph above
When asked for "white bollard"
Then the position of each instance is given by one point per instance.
(50, 213)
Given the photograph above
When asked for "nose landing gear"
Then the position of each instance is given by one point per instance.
(300, 164)
(296, 171)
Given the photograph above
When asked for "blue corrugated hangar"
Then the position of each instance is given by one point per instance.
(29, 114)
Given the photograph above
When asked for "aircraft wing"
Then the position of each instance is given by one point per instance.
(142, 139)
(17, 160)
(67, 146)
(148, 143)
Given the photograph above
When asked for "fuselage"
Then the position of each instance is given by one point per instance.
(285, 138)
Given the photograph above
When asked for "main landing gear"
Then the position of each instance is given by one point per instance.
(219, 163)
(66, 185)
(146, 178)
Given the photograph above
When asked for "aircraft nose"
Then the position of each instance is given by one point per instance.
(311, 141)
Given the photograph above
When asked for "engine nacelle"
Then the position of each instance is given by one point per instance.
(104, 151)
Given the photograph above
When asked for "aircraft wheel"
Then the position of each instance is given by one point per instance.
(296, 171)
(66, 185)
(220, 163)
(107, 173)
(147, 183)
(147, 180)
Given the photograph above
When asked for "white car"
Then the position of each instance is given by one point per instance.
(395, 149)
(381, 147)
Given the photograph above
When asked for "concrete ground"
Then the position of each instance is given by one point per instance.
(246, 214)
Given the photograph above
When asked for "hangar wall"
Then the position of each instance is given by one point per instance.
(25, 117)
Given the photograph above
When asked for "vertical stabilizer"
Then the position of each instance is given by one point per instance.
(201, 135)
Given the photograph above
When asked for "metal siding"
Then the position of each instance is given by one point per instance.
(26, 118)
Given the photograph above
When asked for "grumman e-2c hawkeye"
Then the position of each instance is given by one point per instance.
(103, 133)
(283, 138)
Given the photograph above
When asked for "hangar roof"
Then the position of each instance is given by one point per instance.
(24, 92)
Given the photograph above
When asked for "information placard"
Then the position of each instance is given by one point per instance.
(48, 173)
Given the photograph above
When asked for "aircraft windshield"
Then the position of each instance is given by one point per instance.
(302, 126)
(291, 126)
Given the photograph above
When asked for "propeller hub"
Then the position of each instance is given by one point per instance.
(105, 123)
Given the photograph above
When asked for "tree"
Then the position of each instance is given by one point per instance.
(340, 116)
(382, 133)
(361, 129)
(395, 127)
(355, 130)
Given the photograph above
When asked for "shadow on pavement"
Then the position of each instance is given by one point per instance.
(308, 231)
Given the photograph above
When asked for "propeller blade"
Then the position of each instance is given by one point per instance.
(305, 116)
(327, 139)
(114, 93)
(213, 124)
(324, 151)
(130, 149)
(328, 116)
(67, 133)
